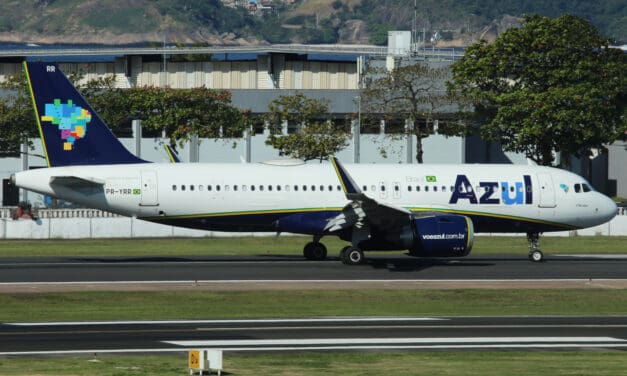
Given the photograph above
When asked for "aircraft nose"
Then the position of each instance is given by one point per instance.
(607, 209)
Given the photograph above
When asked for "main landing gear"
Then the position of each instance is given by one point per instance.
(351, 255)
(535, 254)
(315, 250)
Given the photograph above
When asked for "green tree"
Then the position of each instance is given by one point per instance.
(186, 112)
(415, 93)
(551, 86)
(17, 123)
(317, 136)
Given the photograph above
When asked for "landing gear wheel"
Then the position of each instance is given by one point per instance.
(536, 256)
(352, 255)
(315, 251)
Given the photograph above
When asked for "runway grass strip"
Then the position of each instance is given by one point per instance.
(89, 306)
(601, 363)
(283, 245)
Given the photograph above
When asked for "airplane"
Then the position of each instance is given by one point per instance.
(428, 210)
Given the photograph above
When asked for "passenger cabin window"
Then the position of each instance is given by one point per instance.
(174, 187)
(183, 187)
(235, 187)
(209, 188)
(218, 187)
(409, 188)
(252, 187)
(191, 187)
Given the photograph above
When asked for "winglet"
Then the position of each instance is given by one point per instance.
(350, 188)
(172, 156)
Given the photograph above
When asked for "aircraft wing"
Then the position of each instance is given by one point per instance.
(75, 182)
(363, 209)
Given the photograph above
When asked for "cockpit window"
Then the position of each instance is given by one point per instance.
(577, 188)
(586, 187)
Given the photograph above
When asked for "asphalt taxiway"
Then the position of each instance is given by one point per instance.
(378, 267)
(335, 334)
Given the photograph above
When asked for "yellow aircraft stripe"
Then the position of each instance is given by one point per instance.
(32, 96)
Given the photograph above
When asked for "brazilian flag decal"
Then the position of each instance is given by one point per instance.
(137, 191)
(431, 179)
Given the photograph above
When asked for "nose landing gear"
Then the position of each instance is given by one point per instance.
(535, 254)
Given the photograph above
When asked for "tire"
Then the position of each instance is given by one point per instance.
(352, 256)
(319, 252)
(315, 251)
(536, 256)
(308, 250)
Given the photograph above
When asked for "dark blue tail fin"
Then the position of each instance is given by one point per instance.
(70, 130)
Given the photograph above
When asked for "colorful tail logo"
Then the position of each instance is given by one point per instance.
(72, 121)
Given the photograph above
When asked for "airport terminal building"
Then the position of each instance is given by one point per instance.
(256, 76)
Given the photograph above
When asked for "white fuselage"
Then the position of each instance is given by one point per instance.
(499, 198)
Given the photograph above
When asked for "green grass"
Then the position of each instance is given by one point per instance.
(282, 245)
(488, 363)
(86, 306)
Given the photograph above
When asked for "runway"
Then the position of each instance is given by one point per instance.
(336, 334)
(379, 267)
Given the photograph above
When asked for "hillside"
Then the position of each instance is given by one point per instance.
(458, 22)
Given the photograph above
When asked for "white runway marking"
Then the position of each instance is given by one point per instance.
(397, 341)
(243, 321)
(283, 281)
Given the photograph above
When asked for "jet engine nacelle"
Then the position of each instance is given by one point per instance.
(441, 236)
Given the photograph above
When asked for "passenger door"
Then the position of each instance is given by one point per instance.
(547, 191)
